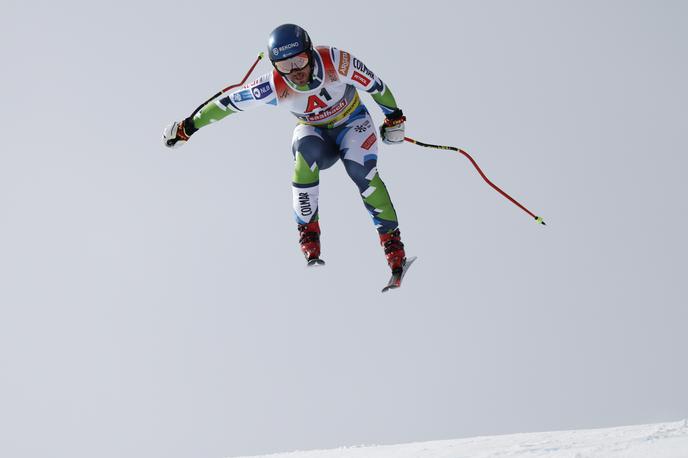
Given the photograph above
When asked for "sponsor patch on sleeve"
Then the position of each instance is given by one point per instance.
(358, 65)
(262, 90)
(360, 78)
(344, 62)
(242, 96)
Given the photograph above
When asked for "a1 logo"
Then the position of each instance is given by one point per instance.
(316, 102)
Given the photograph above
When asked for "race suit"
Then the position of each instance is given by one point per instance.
(333, 124)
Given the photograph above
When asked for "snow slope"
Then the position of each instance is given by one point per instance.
(662, 440)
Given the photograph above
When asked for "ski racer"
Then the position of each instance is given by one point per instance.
(320, 87)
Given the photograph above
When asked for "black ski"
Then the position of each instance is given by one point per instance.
(315, 262)
(398, 276)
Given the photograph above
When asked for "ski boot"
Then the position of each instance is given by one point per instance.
(310, 243)
(394, 250)
(396, 258)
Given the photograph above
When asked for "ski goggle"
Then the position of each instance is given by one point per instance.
(297, 62)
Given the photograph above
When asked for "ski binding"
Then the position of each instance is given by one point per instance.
(315, 262)
(397, 276)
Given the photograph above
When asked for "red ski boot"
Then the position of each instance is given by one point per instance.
(396, 258)
(394, 250)
(310, 242)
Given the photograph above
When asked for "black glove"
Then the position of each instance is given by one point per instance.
(392, 130)
(178, 133)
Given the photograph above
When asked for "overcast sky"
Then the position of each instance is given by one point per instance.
(154, 302)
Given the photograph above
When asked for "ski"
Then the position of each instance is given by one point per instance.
(315, 262)
(398, 276)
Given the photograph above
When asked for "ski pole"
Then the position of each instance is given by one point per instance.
(538, 219)
(219, 93)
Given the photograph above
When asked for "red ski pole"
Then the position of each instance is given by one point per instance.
(250, 70)
(538, 219)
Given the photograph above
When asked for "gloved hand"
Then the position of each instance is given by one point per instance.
(392, 130)
(178, 133)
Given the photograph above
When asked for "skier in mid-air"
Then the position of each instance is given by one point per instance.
(319, 86)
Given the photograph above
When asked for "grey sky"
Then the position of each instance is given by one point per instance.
(154, 302)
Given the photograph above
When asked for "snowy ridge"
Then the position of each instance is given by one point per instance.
(661, 440)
